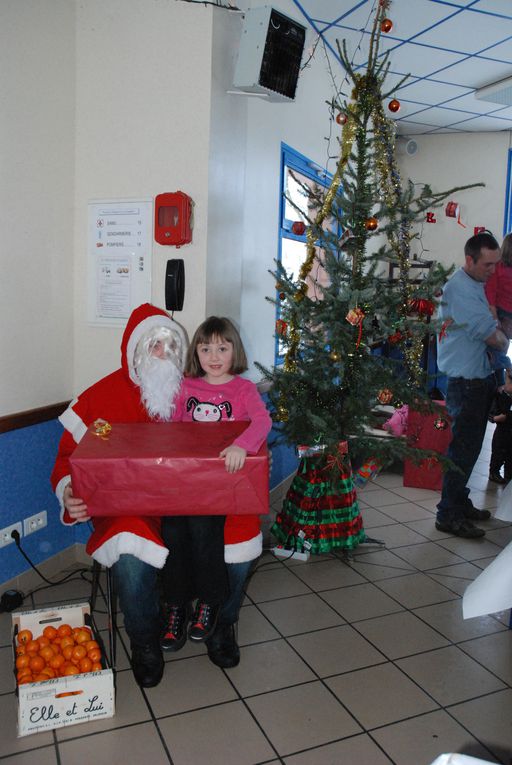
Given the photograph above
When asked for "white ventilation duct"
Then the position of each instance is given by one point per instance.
(497, 92)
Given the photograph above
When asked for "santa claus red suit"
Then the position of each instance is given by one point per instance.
(117, 398)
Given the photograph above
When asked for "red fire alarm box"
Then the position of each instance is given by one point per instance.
(173, 223)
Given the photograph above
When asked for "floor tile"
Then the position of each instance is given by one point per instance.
(499, 536)
(428, 555)
(422, 739)
(267, 667)
(328, 575)
(9, 742)
(137, 744)
(301, 614)
(447, 619)
(449, 675)
(471, 549)
(405, 511)
(254, 627)
(417, 495)
(372, 517)
(363, 601)
(427, 528)
(380, 695)
(275, 584)
(380, 498)
(302, 717)
(336, 650)
(189, 684)
(396, 535)
(380, 565)
(416, 590)
(400, 635)
(493, 652)
(490, 720)
(358, 749)
(46, 756)
(221, 735)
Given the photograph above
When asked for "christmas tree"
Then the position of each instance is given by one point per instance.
(336, 333)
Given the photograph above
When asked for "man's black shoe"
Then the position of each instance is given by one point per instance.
(203, 621)
(464, 529)
(175, 633)
(147, 664)
(474, 514)
(496, 478)
(222, 647)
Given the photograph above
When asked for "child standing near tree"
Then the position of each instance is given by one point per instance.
(212, 391)
(498, 290)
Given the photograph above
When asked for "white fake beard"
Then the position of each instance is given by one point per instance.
(160, 380)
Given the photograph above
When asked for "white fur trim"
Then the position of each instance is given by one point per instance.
(127, 543)
(155, 320)
(241, 552)
(59, 492)
(73, 423)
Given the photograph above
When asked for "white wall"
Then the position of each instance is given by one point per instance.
(143, 121)
(445, 161)
(36, 202)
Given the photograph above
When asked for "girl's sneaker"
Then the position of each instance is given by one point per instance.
(203, 621)
(175, 633)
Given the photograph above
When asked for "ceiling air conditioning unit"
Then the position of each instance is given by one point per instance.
(497, 92)
(270, 53)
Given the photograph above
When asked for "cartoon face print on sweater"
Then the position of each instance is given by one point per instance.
(205, 411)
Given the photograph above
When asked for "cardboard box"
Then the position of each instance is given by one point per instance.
(423, 433)
(168, 469)
(64, 700)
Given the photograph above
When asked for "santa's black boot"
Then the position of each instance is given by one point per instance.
(147, 664)
(222, 647)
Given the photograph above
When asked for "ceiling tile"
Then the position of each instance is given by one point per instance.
(468, 32)
(431, 92)
(474, 72)
(421, 60)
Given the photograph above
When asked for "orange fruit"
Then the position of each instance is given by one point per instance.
(32, 646)
(43, 641)
(24, 636)
(68, 640)
(57, 661)
(71, 670)
(79, 652)
(36, 663)
(25, 679)
(20, 650)
(22, 661)
(67, 652)
(50, 632)
(85, 664)
(96, 666)
(82, 637)
(48, 671)
(64, 630)
(40, 677)
(23, 671)
(94, 654)
(47, 653)
(90, 645)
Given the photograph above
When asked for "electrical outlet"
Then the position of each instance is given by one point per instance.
(5, 534)
(34, 523)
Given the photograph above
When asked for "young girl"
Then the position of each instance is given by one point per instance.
(498, 290)
(211, 392)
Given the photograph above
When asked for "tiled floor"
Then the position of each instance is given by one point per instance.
(357, 662)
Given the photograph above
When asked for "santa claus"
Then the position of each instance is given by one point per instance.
(143, 390)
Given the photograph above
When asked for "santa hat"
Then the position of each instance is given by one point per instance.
(143, 319)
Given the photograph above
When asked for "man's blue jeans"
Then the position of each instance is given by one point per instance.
(468, 403)
(137, 588)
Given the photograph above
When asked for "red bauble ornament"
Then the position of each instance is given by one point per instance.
(281, 327)
(440, 423)
(371, 224)
(386, 25)
(282, 296)
(341, 118)
(394, 106)
(385, 396)
(421, 306)
(298, 227)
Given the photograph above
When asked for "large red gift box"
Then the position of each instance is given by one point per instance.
(168, 469)
(427, 431)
